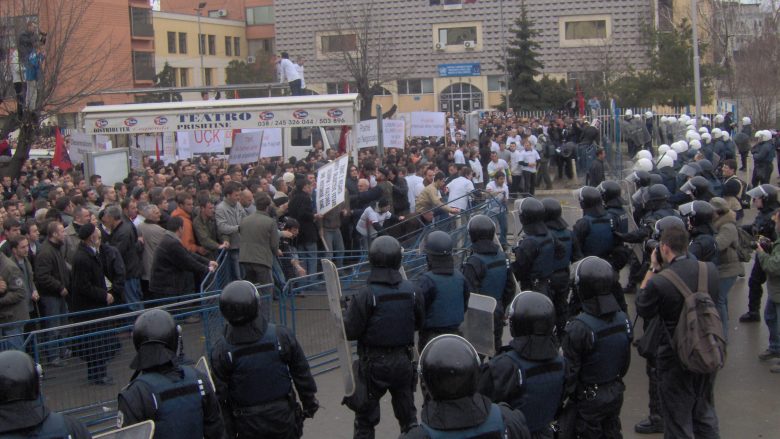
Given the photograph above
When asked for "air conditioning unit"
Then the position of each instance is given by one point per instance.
(469, 44)
(439, 46)
(250, 60)
(222, 13)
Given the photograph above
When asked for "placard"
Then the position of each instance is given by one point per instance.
(367, 136)
(427, 124)
(80, 144)
(394, 133)
(271, 144)
(136, 159)
(204, 141)
(246, 148)
(331, 181)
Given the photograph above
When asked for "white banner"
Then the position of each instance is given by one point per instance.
(80, 144)
(331, 180)
(427, 124)
(246, 148)
(148, 142)
(272, 143)
(451, 123)
(394, 133)
(367, 136)
(204, 141)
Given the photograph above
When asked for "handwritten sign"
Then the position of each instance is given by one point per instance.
(331, 180)
(394, 133)
(427, 124)
(80, 144)
(246, 148)
(367, 136)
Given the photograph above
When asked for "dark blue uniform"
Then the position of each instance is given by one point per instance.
(30, 419)
(594, 234)
(446, 296)
(535, 257)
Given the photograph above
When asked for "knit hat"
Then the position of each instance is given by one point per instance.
(720, 205)
(86, 231)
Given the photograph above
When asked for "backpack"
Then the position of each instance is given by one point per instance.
(698, 338)
(745, 245)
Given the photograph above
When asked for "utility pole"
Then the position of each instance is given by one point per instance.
(503, 54)
(201, 45)
(380, 133)
(696, 60)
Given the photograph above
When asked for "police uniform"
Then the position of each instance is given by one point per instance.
(594, 233)
(762, 226)
(559, 279)
(446, 296)
(383, 317)
(703, 246)
(254, 371)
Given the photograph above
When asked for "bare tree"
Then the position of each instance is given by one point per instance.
(366, 49)
(759, 77)
(75, 64)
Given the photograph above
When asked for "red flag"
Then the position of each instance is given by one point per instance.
(343, 139)
(61, 158)
(157, 147)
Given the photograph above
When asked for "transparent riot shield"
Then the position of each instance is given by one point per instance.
(478, 326)
(142, 430)
(343, 347)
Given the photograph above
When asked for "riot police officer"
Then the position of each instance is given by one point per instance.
(383, 317)
(703, 246)
(530, 373)
(594, 231)
(255, 366)
(444, 290)
(597, 347)
(765, 201)
(449, 367)
(487, 270)
(763, 155)
(559, 279)
(536, 249)
(22, 411)
(178, 398)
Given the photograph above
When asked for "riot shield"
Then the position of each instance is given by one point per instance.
(203, 366)
(477, 325)
(637, 248)
(142, 430)
(343, 347)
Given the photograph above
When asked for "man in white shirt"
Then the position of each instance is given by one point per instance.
(500, 194)
(496, 165)
(459, 188)
(299, 67)
(513, 137)
(290, 74)
(460, 158)
(372, 220)
(415, 184)
(528, 159)
(517, 171)
(476, 169)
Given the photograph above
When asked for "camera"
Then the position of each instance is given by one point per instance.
(764, 242)
(650, 245)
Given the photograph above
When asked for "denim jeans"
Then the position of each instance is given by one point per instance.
(771, 318)
(335, 243)
(307, 254)
(725, 284)
(133, 294)
(11, 337)
(56, 308)
(501, 219)
(233, 268)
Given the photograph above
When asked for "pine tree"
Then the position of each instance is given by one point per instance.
(524, 65)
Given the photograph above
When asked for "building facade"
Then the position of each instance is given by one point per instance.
(187, 42)
(445, 55)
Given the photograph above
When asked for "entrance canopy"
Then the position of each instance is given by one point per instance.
(226, 114)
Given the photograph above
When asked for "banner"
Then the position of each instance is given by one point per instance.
(367, 136)
(246, 148)
(427, 124)
(148, 142)
(271, 145)
(204, 141)
(394, 133)
(80, 144)
(331, 180)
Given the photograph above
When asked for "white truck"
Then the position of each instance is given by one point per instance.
(302, 119)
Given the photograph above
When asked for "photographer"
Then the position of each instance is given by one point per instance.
(768, 255)
(764, 199)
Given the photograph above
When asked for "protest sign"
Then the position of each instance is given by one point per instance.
(331, 180)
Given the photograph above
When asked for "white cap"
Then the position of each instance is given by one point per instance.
(672, 119)
(643, 165)
(716, 133)
(643, 154)
(725, 136)
(695, 145)
(665, 162)
(648, 114)
(703, 130)
(664, 119)
(629, 113)
(746, 121)
(672, 153)
(706, 136)
(663, 149)
(718, 118)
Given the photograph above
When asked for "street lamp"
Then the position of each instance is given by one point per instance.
(201, 44)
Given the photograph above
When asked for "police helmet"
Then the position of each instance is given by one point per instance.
(666, 223)
(690, 170)
(656, 192)
(697, 212)
(656, 179)
(481, 227)
(156, 326)
(385, 252)
(643, 165)
(531, 313)
(589, 197)
(717, 133)
(695, 144)
(746, 121)
(665, 162)
(703, 130)
(663, 149)
(725, 136)
(449, 367)
(552, 209)
(19, 377)
(238, 302)
(705, 165)
(438, 243)
(609, 189)
(593, 277)
(641, 178)
(764, 191)
(697, 186)
(672, 154)
(706, 137)
(643, 154)
(531, 211)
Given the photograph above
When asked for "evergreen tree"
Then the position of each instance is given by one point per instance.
(523, 63)
(164, 79)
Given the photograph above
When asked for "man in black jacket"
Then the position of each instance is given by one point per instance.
(172, 263)
(125, 238)
(301, 208)
(52, 277)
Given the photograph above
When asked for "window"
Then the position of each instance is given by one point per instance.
(264, 45)
(415, 86)
(450, 4)
(141, 22)
(260, 15)
(237, 46)
(212, 45)
(338, 43)
(171, 42)
(184, 77)
(456, 36)
(228, 46)
(143, 66)
(208, 76)
(300, 137)
(496, 83)
(585, 30)
(182, 42)
(339, 88)
(201, 44)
